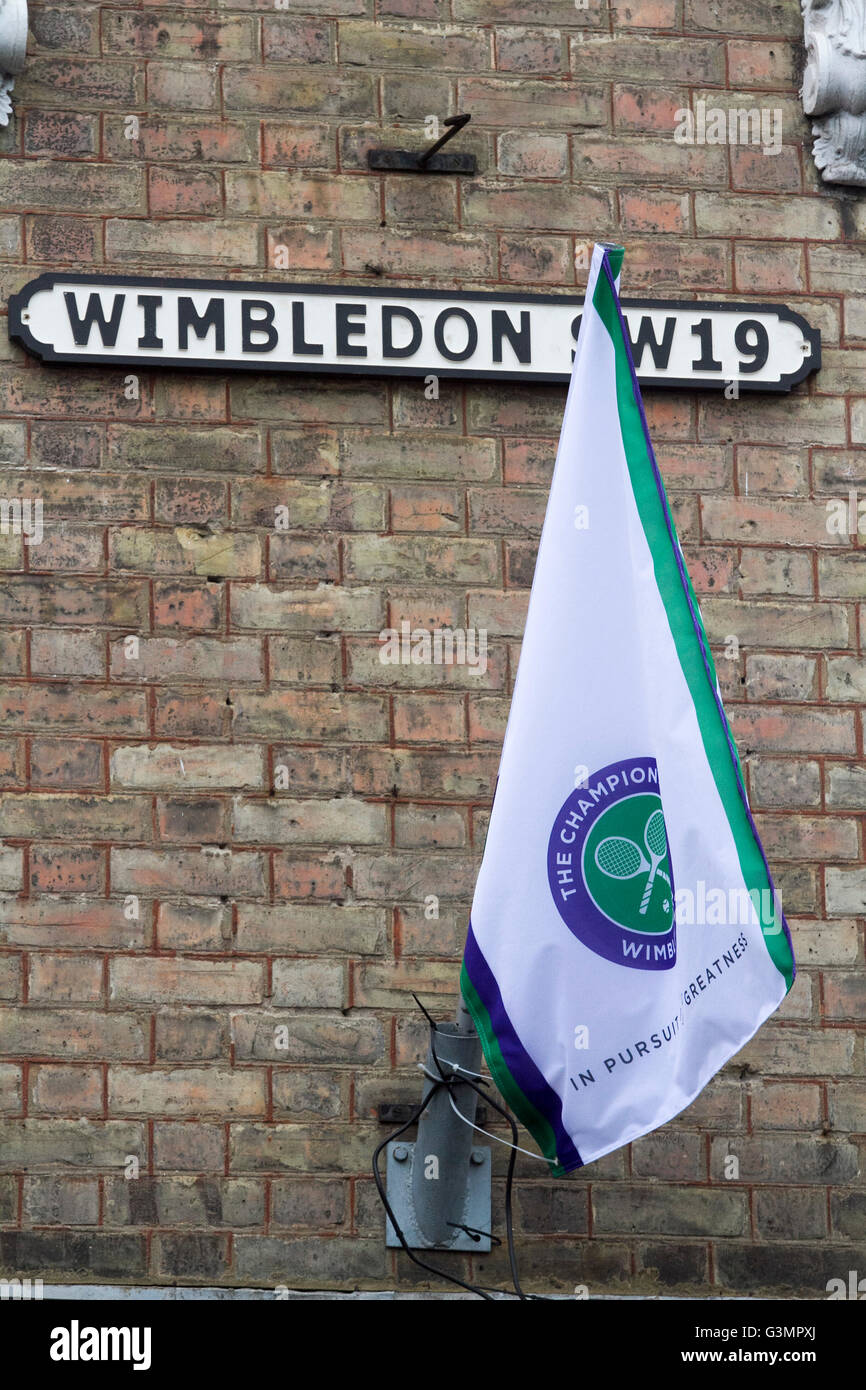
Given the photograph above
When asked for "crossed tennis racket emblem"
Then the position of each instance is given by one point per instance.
(619, 857)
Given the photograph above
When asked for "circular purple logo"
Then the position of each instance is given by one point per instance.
(609, 867)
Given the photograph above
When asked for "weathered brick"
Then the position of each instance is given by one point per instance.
(306, 928)
(798, 1052)
(776, 624)
(548, 207)
(264, 194)
(186, 1091)
(91, 1255)
(397, 252)
(303, 1202)
(307, 984)
(323, 609)
(175, 36)
(273, 1259)
(779, 1157)
(57, 816)
(162, 766)
(182, 190)
(71, 1033)
(75, 239)
(308, 822)
(65, 979)
(741, 519)
(184, 1201)
(190, 1145)
(62, 1090)
(322, 1038)
(203, 873)
(846, 679)
(46, 921)
(56, 1201)
(697, 1212)
(183, 550)
(310, 715)
(845, 891)
(49, 185)
(141, 979)
(212, 450)
(172, 240)
(71, 602)
(11, 1094)
(785, 782)
(309, 1095)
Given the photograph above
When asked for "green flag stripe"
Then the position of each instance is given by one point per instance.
(684, 618)
(520, 1103)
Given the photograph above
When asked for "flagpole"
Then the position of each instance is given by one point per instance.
(444, 1142)
(439, 1186)
(463, 1018)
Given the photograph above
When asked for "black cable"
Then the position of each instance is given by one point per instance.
(448, 1082)
(509, 1182)
(440, 1273)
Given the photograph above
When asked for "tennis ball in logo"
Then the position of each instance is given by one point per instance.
(625, 865)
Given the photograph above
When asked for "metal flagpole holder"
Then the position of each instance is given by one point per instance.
(439, 1186)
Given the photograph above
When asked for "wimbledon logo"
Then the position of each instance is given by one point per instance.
(610, 870)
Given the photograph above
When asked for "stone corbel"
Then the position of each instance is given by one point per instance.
(834, 87)
(13, 50)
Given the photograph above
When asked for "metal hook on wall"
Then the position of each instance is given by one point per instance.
(429, 161)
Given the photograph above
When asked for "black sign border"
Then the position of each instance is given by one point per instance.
(20, 333)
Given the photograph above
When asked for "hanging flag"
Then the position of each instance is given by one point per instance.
(626, 939)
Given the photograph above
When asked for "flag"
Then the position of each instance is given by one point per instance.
(626, 939)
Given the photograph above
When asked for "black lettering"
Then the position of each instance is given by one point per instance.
(575, 332)
(452, 354)
(262, 327)
(149, 303)
(389, 314)
(519, 338)
(201, 324)
(752, 339)
(94, 314)
(641, 1049)
(300, 346)
(349, 325)
(646, 338)
(706, 362)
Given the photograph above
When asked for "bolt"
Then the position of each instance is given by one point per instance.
(477, 1157)
(401, 1153)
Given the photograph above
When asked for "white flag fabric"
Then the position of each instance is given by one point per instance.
(626, 939)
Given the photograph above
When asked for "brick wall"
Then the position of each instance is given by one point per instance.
(238, 827)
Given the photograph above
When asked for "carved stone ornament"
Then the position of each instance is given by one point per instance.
(13, 50)
(834, 86)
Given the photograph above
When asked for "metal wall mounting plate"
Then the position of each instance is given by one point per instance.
(476, 1213)
(409, 162)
